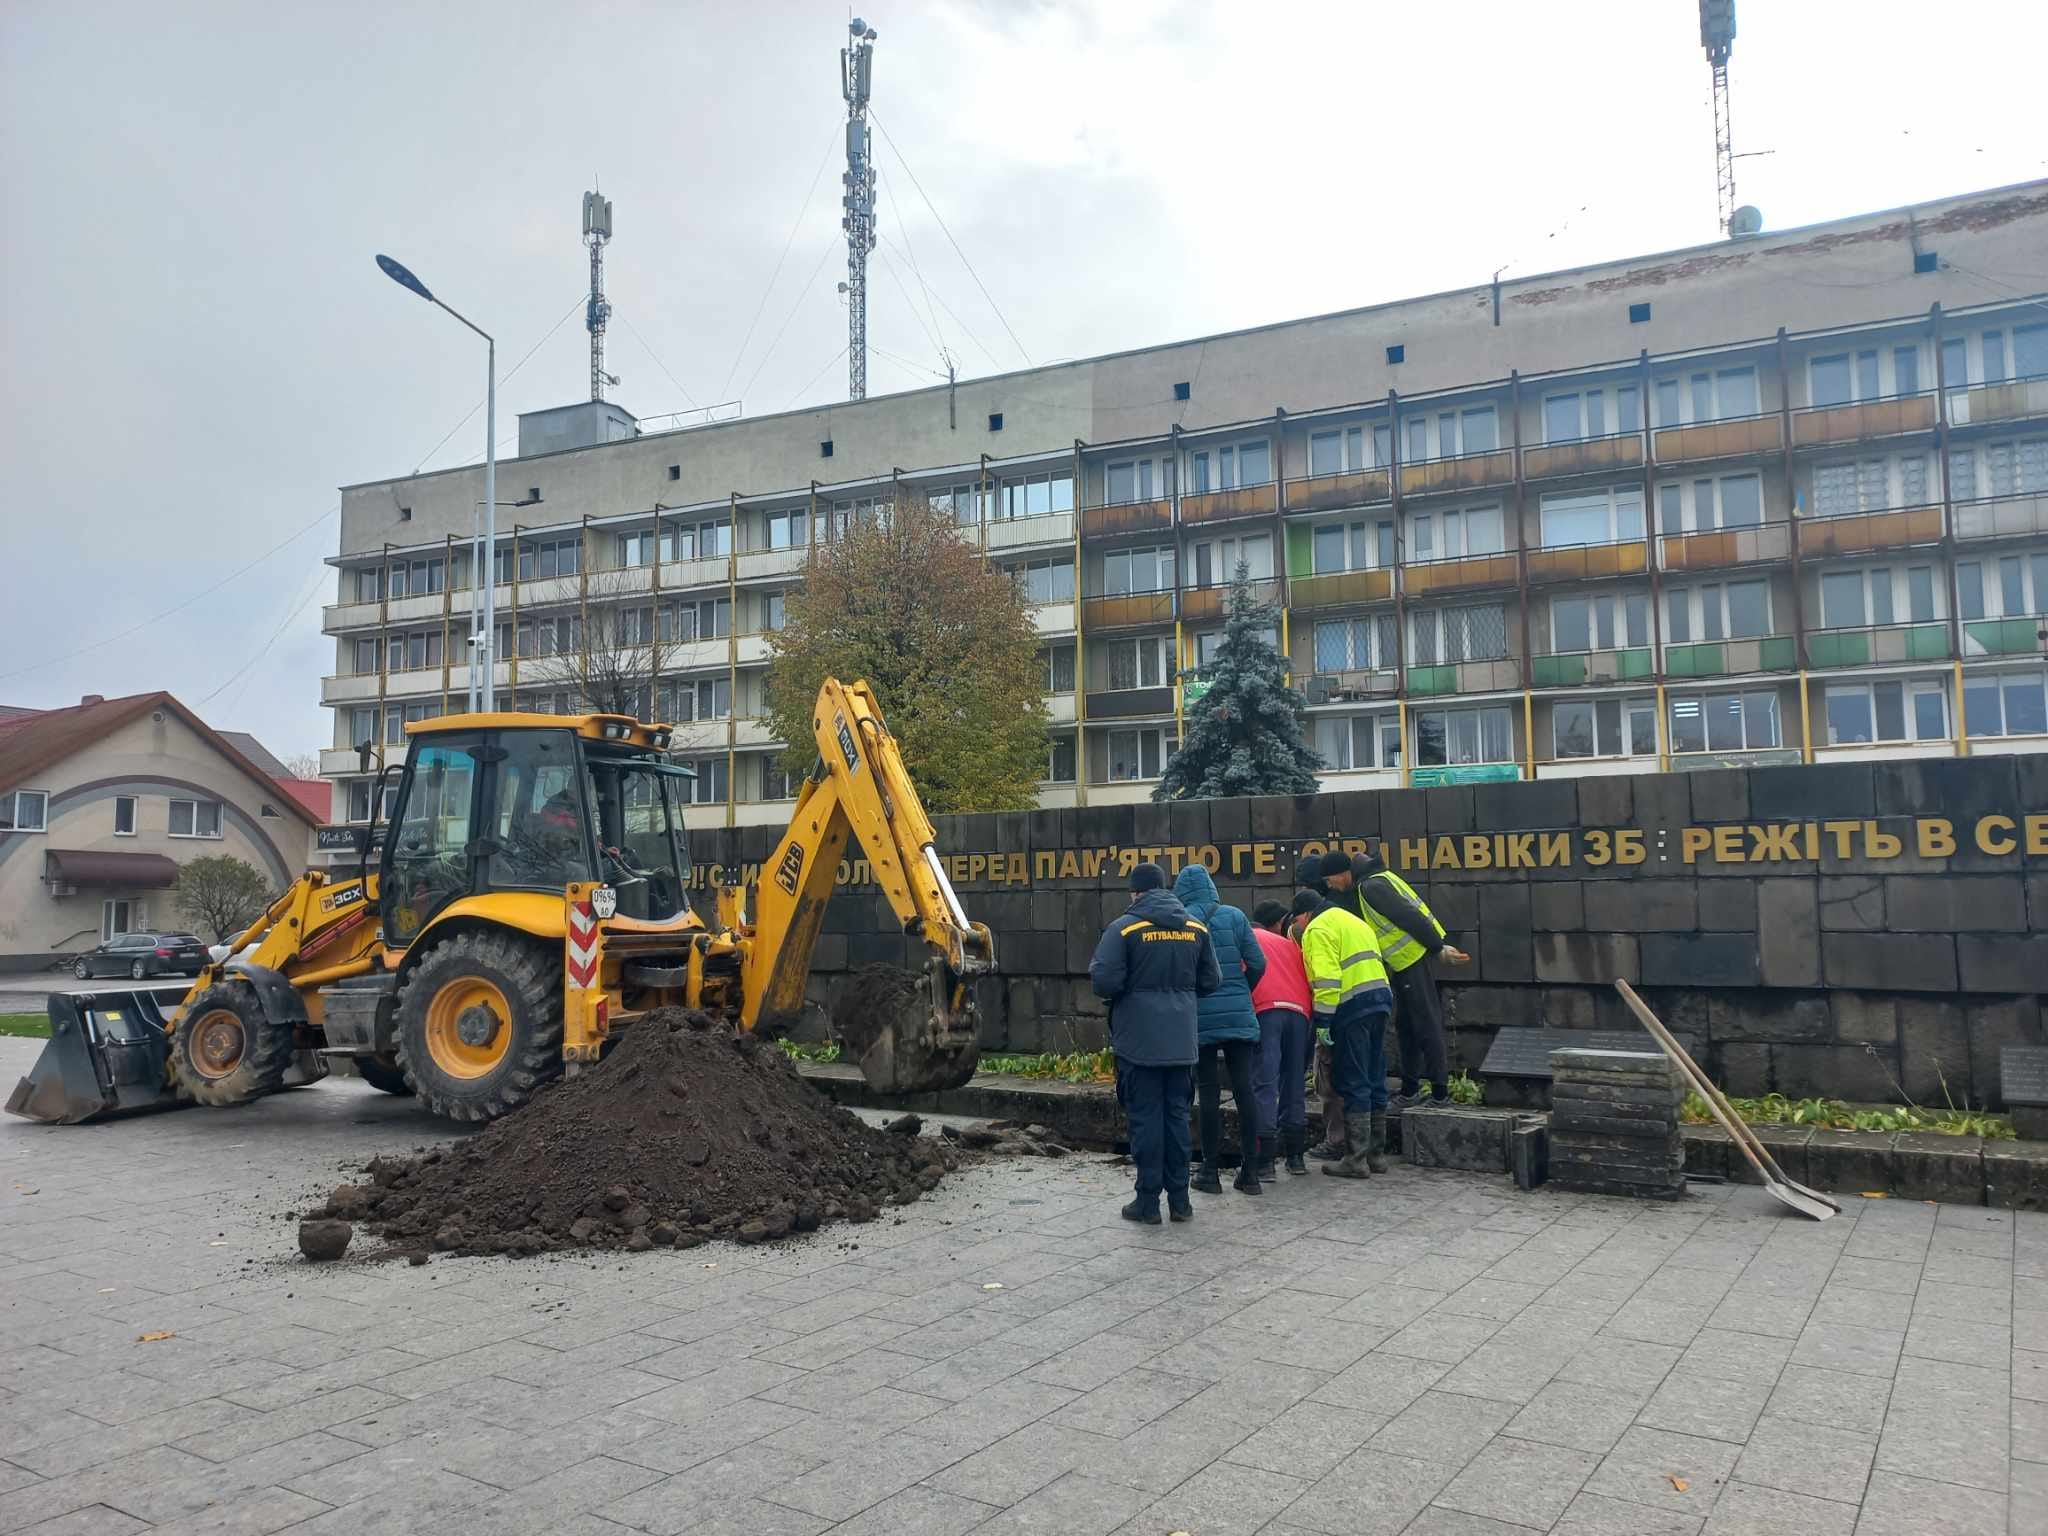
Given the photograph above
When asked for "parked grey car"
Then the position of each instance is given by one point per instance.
(139, 956)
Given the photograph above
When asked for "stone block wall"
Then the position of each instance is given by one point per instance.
(1856, 930)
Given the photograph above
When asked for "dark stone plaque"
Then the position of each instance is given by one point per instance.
(1526, 1052)
(2022, 1073)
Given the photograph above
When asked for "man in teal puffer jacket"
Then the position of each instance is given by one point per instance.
(1226, 1028)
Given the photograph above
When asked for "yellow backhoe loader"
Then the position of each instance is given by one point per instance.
(528, 900)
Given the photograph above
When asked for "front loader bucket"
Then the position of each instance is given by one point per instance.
(107, 1051)
(910, 1035)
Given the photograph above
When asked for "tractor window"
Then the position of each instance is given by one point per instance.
(542, 838)
(428, 863)
(638, 833)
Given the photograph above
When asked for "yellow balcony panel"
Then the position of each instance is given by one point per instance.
(1725, 547)
(1334, 589)
(1133, 517)
(1125, 611)
(1333, 493)
(1453, 575)
(1555, 460)
(1199, 603)
(1588, 562)
(1853, 423)
(1227, 506)
(1719, 440)
(1869, 531)
(1473, 471)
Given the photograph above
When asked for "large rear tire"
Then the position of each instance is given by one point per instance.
(379, 1073)
(480, 1024)
(226, 1050)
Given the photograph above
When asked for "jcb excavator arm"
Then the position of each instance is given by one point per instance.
(859, 788)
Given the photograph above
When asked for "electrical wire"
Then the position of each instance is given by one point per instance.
(903, 224)
(816, 177)
(802, 294)
(644, 347)
(507, 379)
(897, 278)
(797, 398)
(299, 605)
(948, 233)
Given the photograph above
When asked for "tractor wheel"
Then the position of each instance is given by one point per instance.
(379, 1072)
(480, 1024)
(225, 1049)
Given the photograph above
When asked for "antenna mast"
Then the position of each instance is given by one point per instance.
(1717, 36)
(597, 230)
(856, 75)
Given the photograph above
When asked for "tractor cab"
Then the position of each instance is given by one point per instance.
(514, 803)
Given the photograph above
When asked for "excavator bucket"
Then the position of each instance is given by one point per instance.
(108, 1051)
(917, 1036)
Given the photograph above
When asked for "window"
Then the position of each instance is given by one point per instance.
(1732, 610)
(1592, 517)
(1724, 722)
(1880, 596)
(2006, 704)
(1843, 377)
(1137, 754)
(416, 578)
(705, 698)
(124, 815)
(369, 584)
(1452, 534)
(1137, 570)
(774, 612)
(708, 788)
(122, 914)
(785, 529)
(1035, 496)
(1447, 635)
(1352, 547)
(707, 618)
(1860, 713)
(2009, 587)
(1868, 485)
(398, 716)
(1060, 764)
(1449, 434)
(1133, 480)
(1058, 662)
(1592, 413)
(1707, 394)
(2017, 467)
(1343, 450)
(1955, 362)
(1731, 501)
(1046, 581)
(1347, 742)
(1229, 466)
(777, 782)
(1906, 370)
(1215, 560)
(24, 810)
(1355, 645)
(2029, 351)
(972, 503)
(545, 558)
(195, 818)
(1598, 623)
(1140, 663)
(1463, 736)
(1603, 728)
(359, 800)
(415, 651)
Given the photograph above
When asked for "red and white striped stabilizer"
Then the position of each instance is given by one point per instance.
(582, 947)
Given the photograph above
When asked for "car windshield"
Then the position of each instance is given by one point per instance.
(639, 831)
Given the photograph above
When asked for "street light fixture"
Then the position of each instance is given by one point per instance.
(484, 546)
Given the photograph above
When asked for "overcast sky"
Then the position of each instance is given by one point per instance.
(199, 350)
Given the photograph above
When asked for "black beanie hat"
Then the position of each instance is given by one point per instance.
(1269, 912)
(1335, 862)
(1307, 902)
(1148, 877)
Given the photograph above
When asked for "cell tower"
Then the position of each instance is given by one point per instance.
(856, 75)
(597, 230)
(1717, 36)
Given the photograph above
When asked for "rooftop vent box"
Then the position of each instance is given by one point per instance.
(585, 424)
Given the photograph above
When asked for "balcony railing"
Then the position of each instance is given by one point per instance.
(1336, 589)
(1348, 687)
(1902, 414)
(1570, 669)
(1878, 645)
(2002, 517)
(1014, 532)
(1228, 506)
(2019, 400)
(1335, 493)
(1468, 472)
(1131, 517)
(1587, 562)
(1464, 677)
(1724, 547)
(1424, 578)
(1729, 658)
(1128, 703)
(1125, 611)
(1214, 602)
(1732, 439)
(1856, 533)
(1589, 456)
(2005, 637)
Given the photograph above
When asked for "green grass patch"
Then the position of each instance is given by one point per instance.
(1839, 1115)
(1073, 1067)
(25, 1026)
(817, 1055)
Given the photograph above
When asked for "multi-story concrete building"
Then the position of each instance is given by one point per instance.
(1778, 498)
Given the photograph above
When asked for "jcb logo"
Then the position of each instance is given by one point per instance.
(846, 748)
(791, 870)
(348, 896)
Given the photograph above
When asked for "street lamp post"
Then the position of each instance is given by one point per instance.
(483, 638)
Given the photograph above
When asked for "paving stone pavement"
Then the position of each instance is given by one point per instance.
(1428, 1353)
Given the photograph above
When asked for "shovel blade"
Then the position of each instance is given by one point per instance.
(107, 1051)
(1802, 1200)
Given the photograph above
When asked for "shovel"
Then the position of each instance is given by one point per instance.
(1807, 1202)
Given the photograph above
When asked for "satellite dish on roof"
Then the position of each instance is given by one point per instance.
(1746, 220)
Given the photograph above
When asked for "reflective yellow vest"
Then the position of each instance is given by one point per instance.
(1342, 958)
(1397, 945)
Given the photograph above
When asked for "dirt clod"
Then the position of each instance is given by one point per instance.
(324, 1238)
(904, 1125)
(685, 1132)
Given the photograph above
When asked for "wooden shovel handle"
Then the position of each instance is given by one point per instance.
(1732, 1123)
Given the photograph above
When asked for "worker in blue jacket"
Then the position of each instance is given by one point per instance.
(1227, 1031)
(1151, 965)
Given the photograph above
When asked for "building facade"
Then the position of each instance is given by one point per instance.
(1777, 499)
(101, 802)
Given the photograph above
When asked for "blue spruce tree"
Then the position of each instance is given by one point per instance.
(1248, 735)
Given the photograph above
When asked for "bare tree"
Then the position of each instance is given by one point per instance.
(622, 645)
(302, 765)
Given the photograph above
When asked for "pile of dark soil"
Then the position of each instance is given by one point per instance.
(685, 1132)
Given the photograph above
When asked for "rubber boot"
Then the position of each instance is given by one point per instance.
(1358, 1130)
(1247, 1180)
(1267, 1151)
(1326, 1152)
(1297, 1139)
(1205, 1179)
(1375, 1149)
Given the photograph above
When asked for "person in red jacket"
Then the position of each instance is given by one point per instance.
(1285, 1008)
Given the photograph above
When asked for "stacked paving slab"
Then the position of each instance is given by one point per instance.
(1614, 1124)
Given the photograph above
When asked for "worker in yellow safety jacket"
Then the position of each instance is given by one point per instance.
(1348, 983)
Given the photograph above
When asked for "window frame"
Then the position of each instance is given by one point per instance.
(15, 799)
(1703, 698)
(1227, 461)
(1696, 598)
(2001, 682)
(1618, 499)
(1911, 689)
(1629, 709)
(1421, 525)
(193, 819)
